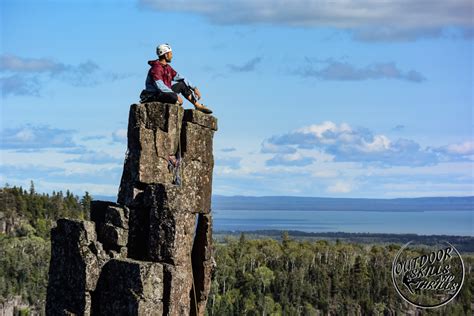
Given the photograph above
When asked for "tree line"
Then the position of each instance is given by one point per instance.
(26, 218)
(290, 277)
(253, 276)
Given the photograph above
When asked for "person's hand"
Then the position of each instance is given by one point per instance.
(180, 100)
(198, 93)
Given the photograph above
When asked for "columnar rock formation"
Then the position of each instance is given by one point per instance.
(151, 252)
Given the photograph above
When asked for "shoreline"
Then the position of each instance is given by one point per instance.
(464, 244)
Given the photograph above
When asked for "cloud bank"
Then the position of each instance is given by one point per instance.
(343, 71)
(25, 76)
(247, 66)
(36, 137)
(110, 175)
(347, 144)
(96, 158)
(367, 20)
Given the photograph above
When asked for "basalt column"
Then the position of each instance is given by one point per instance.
(166, 185)
(150, 253)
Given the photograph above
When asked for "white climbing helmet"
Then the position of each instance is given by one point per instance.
(163, 49)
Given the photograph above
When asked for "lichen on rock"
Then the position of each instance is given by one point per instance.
(151, 252)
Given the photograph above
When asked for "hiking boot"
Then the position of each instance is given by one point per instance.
(203, 109)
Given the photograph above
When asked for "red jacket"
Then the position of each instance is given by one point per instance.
(158, 71)
(160, 77)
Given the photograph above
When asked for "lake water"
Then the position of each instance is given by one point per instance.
(422, 223)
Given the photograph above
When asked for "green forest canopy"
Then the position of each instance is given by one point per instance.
(253, 277)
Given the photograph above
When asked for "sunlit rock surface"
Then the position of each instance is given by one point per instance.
(151, 252)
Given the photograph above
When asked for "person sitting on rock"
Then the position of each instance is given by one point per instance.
(159, 79)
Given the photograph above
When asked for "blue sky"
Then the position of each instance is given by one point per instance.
(314, 98)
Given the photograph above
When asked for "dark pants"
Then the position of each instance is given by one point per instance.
(167, 97)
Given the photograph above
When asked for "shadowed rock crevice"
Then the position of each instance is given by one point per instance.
(139, 256)
(138, 234)
(202, 263)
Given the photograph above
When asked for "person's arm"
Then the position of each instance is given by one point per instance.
(161, 86)
(178, 77)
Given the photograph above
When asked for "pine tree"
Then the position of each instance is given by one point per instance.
(86, 204)
(32, 188)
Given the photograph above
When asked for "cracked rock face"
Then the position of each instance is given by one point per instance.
(142, 255)
(76, 262)
(129, 287)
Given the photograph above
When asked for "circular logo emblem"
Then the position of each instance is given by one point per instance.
(428, 277)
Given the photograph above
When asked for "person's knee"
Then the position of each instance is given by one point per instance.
(178, 87)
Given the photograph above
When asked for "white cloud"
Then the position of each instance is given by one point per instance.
(369, 20)
(78, 188)
(340, 187)
(99, 157)
(325, 173)
(120, 135)
(295, 159)
(24, 135)
(19, 64)
(24, 76)
(269, 148)
(466, 148)
(36, 137)
(361, 145)
(335, 70)
(319, 129)
(379, 143)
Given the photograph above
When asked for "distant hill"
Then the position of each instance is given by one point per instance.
(342, 204)
(220, 202)
(104, 198)
(465, 244)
